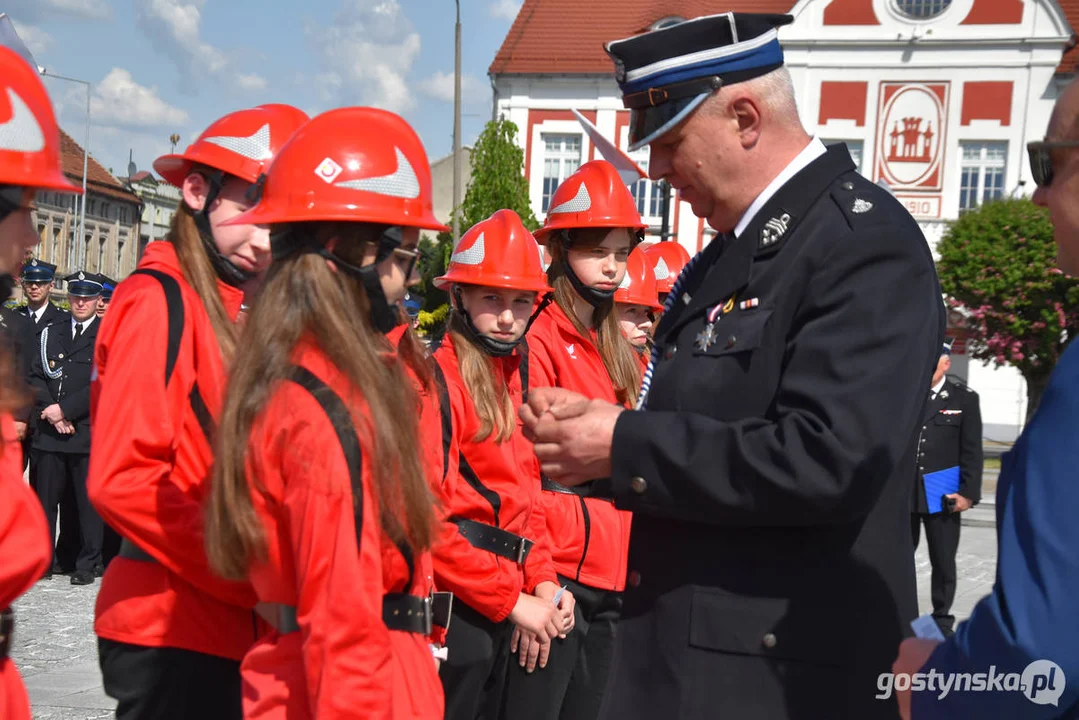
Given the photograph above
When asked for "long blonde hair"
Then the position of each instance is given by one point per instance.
(486, 385)
(199, 273)
(300, 296)
(617, 353)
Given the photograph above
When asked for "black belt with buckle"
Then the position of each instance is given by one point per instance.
(400, 611)
(131, 551)
(495, 540)
(600, 489)
(7, 629)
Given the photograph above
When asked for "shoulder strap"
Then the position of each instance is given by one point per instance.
(446, 414)
(343, 427)
(175, 304)
(523, 349)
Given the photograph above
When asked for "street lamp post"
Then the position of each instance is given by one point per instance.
(80, 243)
(457, 127)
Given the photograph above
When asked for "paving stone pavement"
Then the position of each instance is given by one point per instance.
(56, 650)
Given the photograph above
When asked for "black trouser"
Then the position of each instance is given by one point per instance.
(574, 682)
(55, 473)
(69, 542)
(474, 675)
(150, 683)
(942, 537)
(110, 545)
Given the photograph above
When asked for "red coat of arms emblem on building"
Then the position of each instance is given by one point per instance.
(911, 125)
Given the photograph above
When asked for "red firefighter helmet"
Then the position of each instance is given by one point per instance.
(594, 196)
(667, 260)
(353, 164)
(242, 144)
(639, 284)
(29, 135)
(497, 252)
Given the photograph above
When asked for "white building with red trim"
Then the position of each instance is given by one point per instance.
(936, 98)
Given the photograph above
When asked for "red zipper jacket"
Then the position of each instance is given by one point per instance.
(498, 484)
(27, 552)
(589, 538)
(343, 662)
(149, 467)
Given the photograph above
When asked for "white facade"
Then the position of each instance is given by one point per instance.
(941, 109)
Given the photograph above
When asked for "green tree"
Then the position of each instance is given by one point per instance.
(998, 267)
(498, 182)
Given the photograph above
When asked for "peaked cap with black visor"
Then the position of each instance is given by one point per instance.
(666, 74)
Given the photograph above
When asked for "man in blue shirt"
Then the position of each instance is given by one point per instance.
(1029, 625)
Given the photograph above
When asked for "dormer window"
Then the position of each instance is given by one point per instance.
(922, 9)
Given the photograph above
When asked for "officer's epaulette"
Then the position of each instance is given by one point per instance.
(855, 200)
(958, 381)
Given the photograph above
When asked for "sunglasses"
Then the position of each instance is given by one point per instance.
(1041, 158)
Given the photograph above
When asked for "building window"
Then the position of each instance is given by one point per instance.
(647, 194)
(562, 156)
(982, 172)
(922, 9)
(854, 147)
(119, 258)
(101, 255)
(54, 255)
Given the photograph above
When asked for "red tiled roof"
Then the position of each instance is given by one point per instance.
(1070, 61)
(567, 36)
(98, 179)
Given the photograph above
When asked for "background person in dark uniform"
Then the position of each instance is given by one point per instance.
(110, 539)
(38, 282)
(61, 382)
(949, 446)
(108, 285)
(768, 473)
(17, 332)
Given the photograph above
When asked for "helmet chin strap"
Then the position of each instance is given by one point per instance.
(383, 316)
(595, 298)
(495, 348)
(223, 267)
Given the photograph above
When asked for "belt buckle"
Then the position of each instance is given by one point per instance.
(522, 550)
(656, 96)
(441, 609)
(428, 624)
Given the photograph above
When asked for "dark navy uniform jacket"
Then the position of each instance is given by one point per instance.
(61, 374)
(951, 437)
(771, 567)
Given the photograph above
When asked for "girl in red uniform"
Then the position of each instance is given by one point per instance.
(667, 260)
(319, 493)
(576, 343)
(165, 622)
(29, 161)
(492, 551)
(635, 304)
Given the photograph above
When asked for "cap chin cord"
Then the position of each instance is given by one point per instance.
(223, 267)
(494, 348)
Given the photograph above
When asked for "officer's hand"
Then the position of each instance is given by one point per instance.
(961, 503)
(53, 414)
(573, 442)
(64, 428)
(913, 655)
(541, 400)
(20, 430)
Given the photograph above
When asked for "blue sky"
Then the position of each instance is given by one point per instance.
(173, 66)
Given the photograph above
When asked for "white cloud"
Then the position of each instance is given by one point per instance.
(36, 39)
(367, 54)
(30, 11)
(119, 101)
(251, 82)
(440, 87)
(505, 9)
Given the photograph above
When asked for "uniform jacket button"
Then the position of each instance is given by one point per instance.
(670, 352)
(848, 185)
(731, 340)
(638, 484)
(634, 578)
(769, 641)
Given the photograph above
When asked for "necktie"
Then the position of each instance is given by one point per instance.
(78, 331)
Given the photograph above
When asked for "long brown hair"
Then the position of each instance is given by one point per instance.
(199, 273)
(617, 353)
(300, 296)
(486, 385)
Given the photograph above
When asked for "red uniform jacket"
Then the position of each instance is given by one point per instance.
(149, 465)
(498, 484)
(589, 538)
(344, 662)
(26, 550)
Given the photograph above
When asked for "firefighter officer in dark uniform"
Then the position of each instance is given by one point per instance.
(948, 480)
(768, 463)
(61, 381)
(108, 285)
(17, 331)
